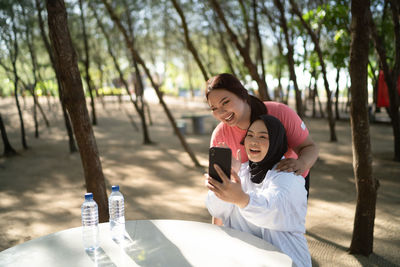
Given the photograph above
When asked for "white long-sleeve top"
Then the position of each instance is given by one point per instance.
(276, 212)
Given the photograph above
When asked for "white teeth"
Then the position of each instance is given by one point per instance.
(228, 118)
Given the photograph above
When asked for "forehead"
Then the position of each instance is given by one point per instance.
(217, 95)
(258, 126)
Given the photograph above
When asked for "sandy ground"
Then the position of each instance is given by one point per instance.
(41, 190)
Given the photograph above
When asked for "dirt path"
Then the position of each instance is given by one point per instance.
(41, 190)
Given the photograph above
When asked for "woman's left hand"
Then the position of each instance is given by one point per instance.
(230, 190)
(236, 161)
(291, 165)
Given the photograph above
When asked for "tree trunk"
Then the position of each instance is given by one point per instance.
(347, 105)
(260, 53)
(147, 108)
(74, 98)
(138, 86)
(366, 185)
(36, 101)
(136, 57)
(86, 62)
(21, 120)
(67, 121)
(32, 87)
(9, 151)
(316, 96)
(46, 121)
(313, 100)
(321, 110)
(13, 58)
(290, 58)
(139, 89)
(337, 95)
(35, 105)
(188, 41)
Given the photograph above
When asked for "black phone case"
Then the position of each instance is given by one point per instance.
(221, 156)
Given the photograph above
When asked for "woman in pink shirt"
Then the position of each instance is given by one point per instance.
(236, 109)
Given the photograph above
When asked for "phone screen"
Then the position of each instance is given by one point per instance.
(222, 156)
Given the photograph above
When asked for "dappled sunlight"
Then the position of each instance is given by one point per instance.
(169, 200)
(42, 189)
(326, 177)
(329, 230)
(8, 201)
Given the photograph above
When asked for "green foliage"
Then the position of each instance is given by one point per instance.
(6, 87)
(158, 37)
(110, 91)
(332, 22)
(48, 87)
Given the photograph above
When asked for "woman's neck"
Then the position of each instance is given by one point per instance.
(245, 120)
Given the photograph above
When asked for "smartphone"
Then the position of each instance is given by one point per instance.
(222, 156)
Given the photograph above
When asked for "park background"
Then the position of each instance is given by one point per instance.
(180, 44)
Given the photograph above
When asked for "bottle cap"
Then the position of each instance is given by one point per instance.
(115, 188)
(89, 196)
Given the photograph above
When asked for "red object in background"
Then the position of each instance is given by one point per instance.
(383, 94)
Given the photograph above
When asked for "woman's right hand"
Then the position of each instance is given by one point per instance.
(230, 190)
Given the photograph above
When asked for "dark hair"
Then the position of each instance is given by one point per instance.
(232, 84)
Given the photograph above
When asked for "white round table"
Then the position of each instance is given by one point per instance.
(152, 243)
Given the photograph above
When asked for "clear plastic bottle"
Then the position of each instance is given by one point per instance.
(117, 214)
(90, 223)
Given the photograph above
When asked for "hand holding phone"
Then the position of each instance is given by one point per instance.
(222, 156)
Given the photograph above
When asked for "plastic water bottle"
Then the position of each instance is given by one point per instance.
(90, 223)
(117, 216)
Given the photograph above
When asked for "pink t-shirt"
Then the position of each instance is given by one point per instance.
(296, 131)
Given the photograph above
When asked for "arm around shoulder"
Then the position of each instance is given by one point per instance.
(307, 152)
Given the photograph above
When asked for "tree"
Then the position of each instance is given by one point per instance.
(290, 57)
(336, 22)
(28, 21)
(10, 35)
(139, 108)
(67, 121)
(366, 185)
(244, 49)
(86, 62)
(8, 149)
(279, 60)
(74, 99)
(214, 28)
(315, 40)
(136, 57)
(188, 41)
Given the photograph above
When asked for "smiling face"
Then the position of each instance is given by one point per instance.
(256, 141)
(229, 108)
